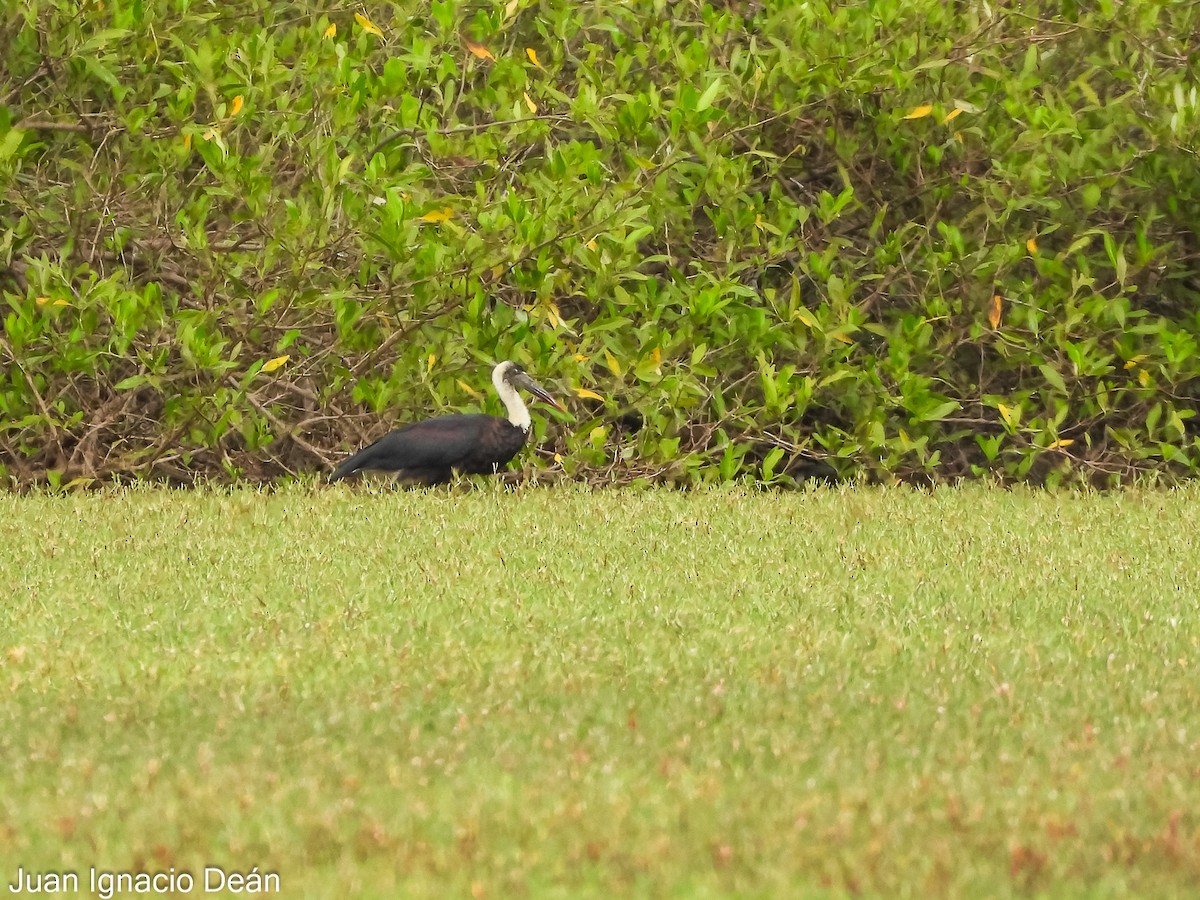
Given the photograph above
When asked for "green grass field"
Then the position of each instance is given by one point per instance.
(531, 693)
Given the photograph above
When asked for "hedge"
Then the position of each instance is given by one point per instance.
(916, 240)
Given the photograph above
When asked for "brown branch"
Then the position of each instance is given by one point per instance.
(280, 427)
(399, 334)
(40, 125)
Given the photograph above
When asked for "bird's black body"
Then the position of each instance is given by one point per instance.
(429, 452)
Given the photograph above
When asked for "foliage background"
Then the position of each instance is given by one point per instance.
(916, 239)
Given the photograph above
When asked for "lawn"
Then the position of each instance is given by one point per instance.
(538, 692)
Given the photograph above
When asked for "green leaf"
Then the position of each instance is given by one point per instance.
(128, 384)
(709, 95)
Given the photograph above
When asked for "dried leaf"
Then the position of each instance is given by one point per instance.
(480, 51)
(996, 310)
(438, 215)
(532, 54)
(1031, 246)
(367, 25)
(511, 9)
(236, 106)
(588, 395)
(532, 106)
(277, 363)
(951, 116)
(331, 31)
(919, 112)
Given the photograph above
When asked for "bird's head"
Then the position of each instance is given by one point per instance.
(513, 375)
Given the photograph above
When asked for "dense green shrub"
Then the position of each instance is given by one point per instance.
(909, 239)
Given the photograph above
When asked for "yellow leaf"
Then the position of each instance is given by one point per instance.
(1143, 377)
(951, 116)
(554, 315)
(1061, 442)
(480, 51)
(1135, 360)
(277, 363)
(805, 316)
(558, 457)
(367, 25)
(532, 106)
(613, 365)
(187, 141)
(470, 390)
(958, 136)
(431, 361)
(42, 301)
(438, 215)
(60, 302)
(511, 8)
(758, 221)
(331, 30)
(996, 310)
(532, 54)
(920, 112)
(1010, 416)
(579, 357)
(588, 395)
(591, 245)
(1031, 246)
(236, 106)
(656, 355)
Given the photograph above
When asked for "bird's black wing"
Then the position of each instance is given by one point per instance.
(439, 443)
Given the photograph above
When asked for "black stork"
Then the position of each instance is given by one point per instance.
(429, 451)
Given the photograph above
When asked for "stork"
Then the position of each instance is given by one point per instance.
(427, 452)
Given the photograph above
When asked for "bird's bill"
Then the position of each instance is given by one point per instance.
(538, 391)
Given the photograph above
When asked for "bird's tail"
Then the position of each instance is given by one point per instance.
(348, 467)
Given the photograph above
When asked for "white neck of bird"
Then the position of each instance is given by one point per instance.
(517, 413)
